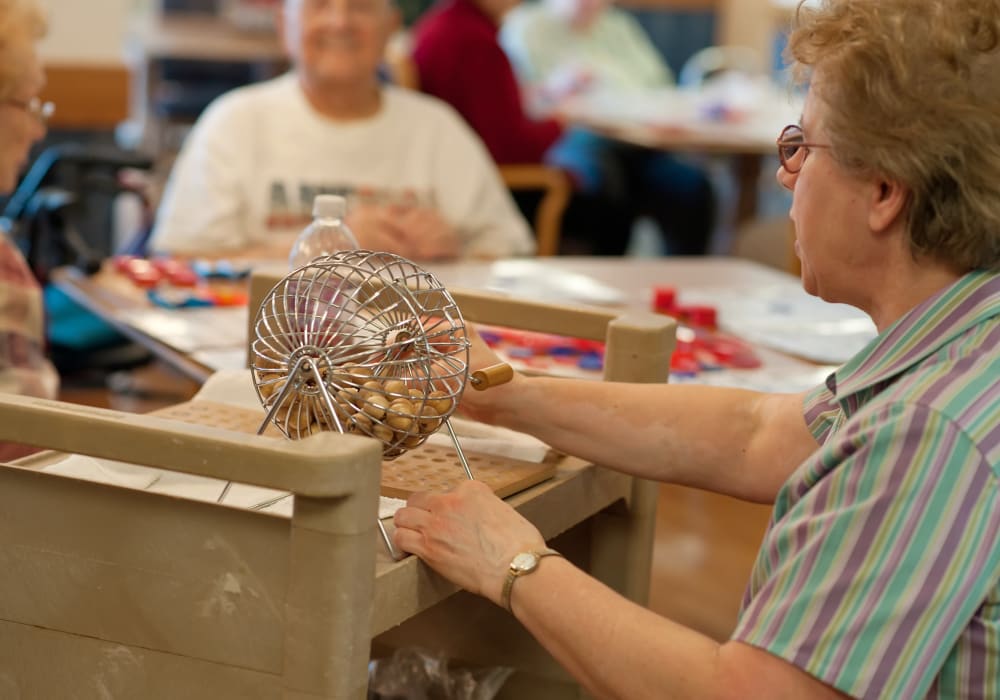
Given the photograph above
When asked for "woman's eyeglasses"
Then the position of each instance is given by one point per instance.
(793, 149)
(42, 111)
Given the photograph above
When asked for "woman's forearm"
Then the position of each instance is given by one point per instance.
(734, 441)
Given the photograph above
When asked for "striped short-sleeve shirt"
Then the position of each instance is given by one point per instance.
(880, 571)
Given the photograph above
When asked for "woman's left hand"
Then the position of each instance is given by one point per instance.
(467, 535)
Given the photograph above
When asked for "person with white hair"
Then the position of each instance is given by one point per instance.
(419, 183)
(24, 367)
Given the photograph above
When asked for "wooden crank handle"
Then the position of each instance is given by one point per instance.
(494, 375)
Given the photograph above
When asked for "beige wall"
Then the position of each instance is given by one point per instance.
(85, 61)
(86, 31)
(741, 22)
(747, 23)
(93, 31)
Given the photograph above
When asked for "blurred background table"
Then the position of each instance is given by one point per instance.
(198, 341)
(740, 119)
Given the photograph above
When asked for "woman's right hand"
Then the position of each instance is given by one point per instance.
(487, 404)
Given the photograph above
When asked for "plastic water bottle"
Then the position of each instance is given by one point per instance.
(326, 235)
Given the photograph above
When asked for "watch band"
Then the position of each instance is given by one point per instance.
(514, 572)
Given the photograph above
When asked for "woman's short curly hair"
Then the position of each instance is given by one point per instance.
(912, 90)
(22, 22)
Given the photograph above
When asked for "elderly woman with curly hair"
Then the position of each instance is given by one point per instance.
(24, 368)
(879, 575)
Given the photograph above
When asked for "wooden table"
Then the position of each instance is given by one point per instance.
(635, 278)
(113, 298)
(117, 301)
(602, 520)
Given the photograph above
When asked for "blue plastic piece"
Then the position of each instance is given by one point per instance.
(178, 301)
(590, 360)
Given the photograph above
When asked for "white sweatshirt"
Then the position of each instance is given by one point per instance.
(259, 154)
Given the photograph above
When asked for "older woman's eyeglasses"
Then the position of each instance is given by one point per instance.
(42, 111)
(793, 149)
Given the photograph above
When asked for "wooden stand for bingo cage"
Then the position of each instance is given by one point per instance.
(122, 593)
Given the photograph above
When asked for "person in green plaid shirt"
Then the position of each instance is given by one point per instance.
(879, 575)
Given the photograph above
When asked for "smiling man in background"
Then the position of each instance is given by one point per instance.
(418, 181)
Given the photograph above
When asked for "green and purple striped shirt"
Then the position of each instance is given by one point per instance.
(880, 571)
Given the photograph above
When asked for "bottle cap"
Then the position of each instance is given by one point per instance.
(329, 206)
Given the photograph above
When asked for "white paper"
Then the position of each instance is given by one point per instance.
(235, 388)
(189, 330)
(534, 280)
(222, 358)
(491, 440)
(786, 318)
(188, 486)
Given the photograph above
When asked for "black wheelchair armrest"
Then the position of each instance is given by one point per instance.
(77, 162)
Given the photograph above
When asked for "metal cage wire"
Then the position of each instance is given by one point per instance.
(360, 342)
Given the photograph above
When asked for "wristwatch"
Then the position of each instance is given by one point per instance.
(521, 565)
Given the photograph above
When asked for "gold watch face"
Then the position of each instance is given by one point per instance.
(524, 562)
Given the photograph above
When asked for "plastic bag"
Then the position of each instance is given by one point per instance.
(415, 674)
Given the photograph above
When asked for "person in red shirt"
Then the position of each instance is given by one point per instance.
(460, 60)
